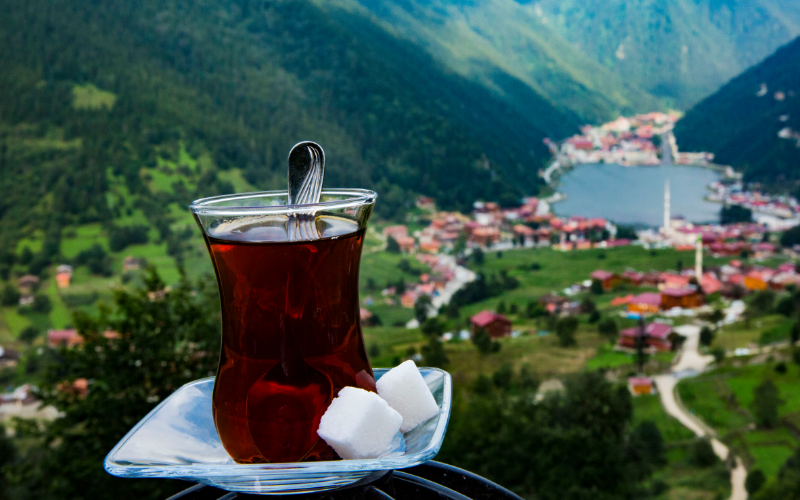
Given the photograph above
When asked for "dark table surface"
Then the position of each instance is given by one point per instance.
(429, 481)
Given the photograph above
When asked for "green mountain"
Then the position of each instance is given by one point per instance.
(753, 122)
(163, 101)
(507, 48)
(681, 50)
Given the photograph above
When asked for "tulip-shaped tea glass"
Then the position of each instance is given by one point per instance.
(291, 333)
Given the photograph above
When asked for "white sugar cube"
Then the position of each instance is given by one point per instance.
(406, 391)
(359, 424)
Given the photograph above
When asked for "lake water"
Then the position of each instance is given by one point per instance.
(635, 195)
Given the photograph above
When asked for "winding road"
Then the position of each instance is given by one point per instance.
(692, 363)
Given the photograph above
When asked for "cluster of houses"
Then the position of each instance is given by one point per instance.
(626, 140)
(735, 194)
(491, 227)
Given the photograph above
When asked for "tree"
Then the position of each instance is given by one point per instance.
(791, 237)
(535, 447)
(594, 317)
(484, 342)
(432, 327)
(29, 334)
(502, 376)
(731, 214)
(608, 328)
(679, 265)
(597, 287)
(706, 336)
(421, 307)
(626, 233)
(501, 307)
(162, 345)
(587, 306)
(763, 302)
(41, 304)
(701, 453)
(565, 330)
(433, 352)
(651, 441)
(10, 296)
(391, 245)
(478, 257)
(755, 481)
(766, 400)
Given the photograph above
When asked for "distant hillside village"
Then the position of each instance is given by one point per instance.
(628, 141)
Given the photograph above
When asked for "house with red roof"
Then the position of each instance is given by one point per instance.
(633, 277)
(646, 303)
(687, 297)
(609, 280)
(496, 325)
(657, 336)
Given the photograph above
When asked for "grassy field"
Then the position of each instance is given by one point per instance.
(649, 408)
(685, 481)
(723, 400)
(742, 334)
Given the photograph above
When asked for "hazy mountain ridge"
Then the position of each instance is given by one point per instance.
(742, 121)
(681, 50)
(494, 40)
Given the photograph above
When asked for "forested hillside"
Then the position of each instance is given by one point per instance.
(753, 122)
(507, 48)
(109, 108)
(681, 50)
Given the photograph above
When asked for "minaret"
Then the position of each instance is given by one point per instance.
(666, 208)
(698, 259)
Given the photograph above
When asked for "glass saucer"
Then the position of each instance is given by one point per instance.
(178, 440)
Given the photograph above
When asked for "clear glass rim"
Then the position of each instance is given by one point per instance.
(208, 206)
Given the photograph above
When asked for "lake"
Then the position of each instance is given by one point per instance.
(635, 195)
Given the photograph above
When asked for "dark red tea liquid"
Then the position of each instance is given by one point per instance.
(291, 339)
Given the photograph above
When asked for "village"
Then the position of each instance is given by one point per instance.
(644, 139)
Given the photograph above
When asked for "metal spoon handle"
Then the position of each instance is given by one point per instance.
(306, 173)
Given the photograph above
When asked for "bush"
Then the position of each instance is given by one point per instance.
(597, 287)
(766, 400)
(731, 214)
(484, 342)
(96, 259)
(701, 453)
(120, 237)
(780, 368)
(41, 304)
(608, 328)
(706, 336)
(565, 330)
(478, 257)
(392, 246)
(10, 296)
(594, 317)
(755, 481)
(502, 377)
(718, 353)
(587, 306)
(29, 334)
(433, 352)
